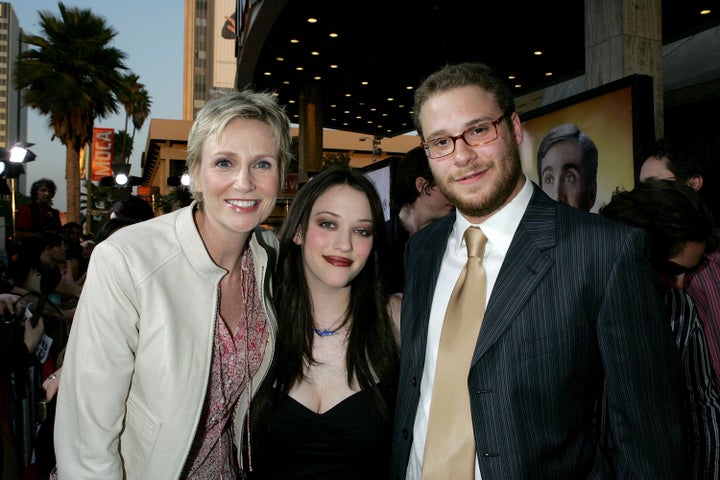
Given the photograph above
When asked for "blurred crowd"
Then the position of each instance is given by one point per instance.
(40, 283)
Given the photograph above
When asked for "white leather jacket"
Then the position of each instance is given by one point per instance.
(138, 358)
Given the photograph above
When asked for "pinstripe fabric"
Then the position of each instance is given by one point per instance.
(701, 389)
(704, 288)
(574, 303)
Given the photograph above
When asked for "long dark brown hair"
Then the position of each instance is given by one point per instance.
(372, 352)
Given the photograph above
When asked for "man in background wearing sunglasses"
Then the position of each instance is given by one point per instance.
(671, 160)
(680, 230)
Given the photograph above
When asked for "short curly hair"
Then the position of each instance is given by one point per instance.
(43, 182)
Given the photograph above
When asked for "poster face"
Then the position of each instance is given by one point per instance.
(606, 121)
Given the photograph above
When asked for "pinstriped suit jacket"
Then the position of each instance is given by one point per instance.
(574, 304)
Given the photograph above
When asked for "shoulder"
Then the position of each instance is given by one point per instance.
(266, 238)
(432, 233)
(265, 242)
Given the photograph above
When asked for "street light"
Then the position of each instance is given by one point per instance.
(179, 181)
(121, 177)
(13, 164)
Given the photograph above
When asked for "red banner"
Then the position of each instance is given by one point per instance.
(102, 153)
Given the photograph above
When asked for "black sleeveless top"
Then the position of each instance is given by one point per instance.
(348, 442)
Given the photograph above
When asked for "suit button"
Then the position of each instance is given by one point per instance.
(414, 381)
(405, 434)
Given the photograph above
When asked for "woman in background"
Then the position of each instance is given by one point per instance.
(326, 409)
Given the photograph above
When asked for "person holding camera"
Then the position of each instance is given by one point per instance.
(16, 354)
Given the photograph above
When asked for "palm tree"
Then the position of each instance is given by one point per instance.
(127, 98)
(122, 147)
(136, 101)
(141, 111)
(71, 74)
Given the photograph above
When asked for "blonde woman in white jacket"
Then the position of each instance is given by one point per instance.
(175, 327)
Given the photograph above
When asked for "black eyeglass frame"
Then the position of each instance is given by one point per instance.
(455, 138)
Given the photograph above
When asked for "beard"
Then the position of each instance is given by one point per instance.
(483, 202)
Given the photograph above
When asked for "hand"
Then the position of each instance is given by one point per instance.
(51, 384)
(6, 303)
(33, 335)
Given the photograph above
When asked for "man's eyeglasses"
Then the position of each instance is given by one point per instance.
(475, 136)
(673, 270)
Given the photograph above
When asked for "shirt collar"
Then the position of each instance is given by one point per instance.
(501, 226)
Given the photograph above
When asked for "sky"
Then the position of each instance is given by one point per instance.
(150, 32)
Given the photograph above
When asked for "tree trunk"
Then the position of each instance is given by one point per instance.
(72, 176)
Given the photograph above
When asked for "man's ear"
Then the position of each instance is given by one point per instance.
(695, 182)
(420, 183)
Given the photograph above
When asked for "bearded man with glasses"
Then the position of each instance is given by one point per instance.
(567, 304)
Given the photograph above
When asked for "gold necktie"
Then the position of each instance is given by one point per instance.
(450, 442)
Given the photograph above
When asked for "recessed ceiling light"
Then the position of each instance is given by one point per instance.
(317, 77)
(294, 40)
(511, 77)
(315, 53)
(517, 85)
(333, 66)
(548, 74)
(537, 52)
(391, 99)
(707, 11)
(348, 95)
(299, 69)
(333, 35)
(267, 74)
(280, 59)
(363, 83)
(312, 20)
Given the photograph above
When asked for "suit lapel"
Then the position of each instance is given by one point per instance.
(421, 279)
(525, 264)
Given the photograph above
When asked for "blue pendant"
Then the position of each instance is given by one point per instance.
(324, 333)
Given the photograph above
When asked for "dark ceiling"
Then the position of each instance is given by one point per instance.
(392, 45)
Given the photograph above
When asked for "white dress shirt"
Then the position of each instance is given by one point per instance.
(499, 230)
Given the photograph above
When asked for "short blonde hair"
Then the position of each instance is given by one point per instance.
(226, 106)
